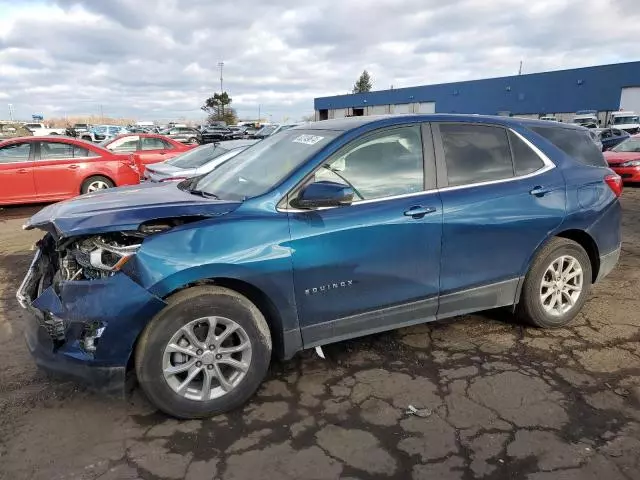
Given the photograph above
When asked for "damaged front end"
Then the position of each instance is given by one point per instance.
(87, 311)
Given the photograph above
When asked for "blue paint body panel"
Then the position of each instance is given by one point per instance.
(318, 267)
(118, 304)
(597, 88)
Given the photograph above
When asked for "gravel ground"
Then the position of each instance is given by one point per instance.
(495, 400)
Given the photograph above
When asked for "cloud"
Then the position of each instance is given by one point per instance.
(157, 59)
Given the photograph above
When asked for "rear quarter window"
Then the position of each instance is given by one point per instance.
(575, 143)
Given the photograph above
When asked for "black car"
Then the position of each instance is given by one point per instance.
(186, 135)
(217, 134)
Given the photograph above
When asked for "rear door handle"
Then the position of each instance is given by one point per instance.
(23, 170)
(539, 191)
(418, 211)
(73, 167)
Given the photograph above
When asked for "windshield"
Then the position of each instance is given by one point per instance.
(197, 157)
(265, 165)
(626, 119)
(630, 145)
(266, 131)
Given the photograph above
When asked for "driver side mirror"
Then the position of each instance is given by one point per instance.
(324, 194)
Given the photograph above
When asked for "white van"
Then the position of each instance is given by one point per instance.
(627, 121)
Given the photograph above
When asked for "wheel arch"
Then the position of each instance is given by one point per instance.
(284, 345)
(587, 242)
(581, 237)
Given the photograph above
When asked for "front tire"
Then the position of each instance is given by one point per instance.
(204, 354)
(193, 141)
(557, 284)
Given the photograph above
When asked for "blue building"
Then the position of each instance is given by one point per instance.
(604, 88)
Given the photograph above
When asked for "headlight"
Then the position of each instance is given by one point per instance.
(110, 258)
(632, 163)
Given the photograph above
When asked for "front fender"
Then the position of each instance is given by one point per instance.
(251, 249)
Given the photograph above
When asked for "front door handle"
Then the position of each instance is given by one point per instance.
(418, 211)
(73, 167)
(539, 191)
(22, 170)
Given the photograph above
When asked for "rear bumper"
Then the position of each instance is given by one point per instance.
(608, 263)
(628, 174)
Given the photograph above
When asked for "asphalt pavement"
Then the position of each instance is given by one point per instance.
(478, 396)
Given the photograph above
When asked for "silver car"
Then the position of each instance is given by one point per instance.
(196, 162)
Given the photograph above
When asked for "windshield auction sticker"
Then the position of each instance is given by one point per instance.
(307, 139)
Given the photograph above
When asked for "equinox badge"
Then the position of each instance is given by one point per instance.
(329, 286)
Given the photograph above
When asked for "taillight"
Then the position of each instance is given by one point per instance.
(615, 183)
(173, 179)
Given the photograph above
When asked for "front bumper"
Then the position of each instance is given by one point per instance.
(112, 312)
(628, 174)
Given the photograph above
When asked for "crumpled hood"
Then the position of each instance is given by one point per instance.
(124, 208)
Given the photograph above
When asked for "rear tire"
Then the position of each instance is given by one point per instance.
(556, 286)
(95, 184)
(193, 141)
(177, 347)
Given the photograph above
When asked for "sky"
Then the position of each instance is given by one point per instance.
(158, 59)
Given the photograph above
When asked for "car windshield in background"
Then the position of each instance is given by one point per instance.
(631, 145)
(624, 120)
(266, 131)
(265, 165)
(582, 121)
(197, 157)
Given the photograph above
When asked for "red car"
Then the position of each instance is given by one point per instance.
(624, 159)
(147, 148)
(48, 169)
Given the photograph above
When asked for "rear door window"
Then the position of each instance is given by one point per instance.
(475, 153)
(525, 160)
(575, 143)
(152, 143)
(55, 151)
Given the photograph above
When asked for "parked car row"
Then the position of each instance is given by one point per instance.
(43, 169)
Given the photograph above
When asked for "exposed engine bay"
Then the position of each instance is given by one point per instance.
(97, 256)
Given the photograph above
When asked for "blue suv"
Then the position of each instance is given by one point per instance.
(323, 232)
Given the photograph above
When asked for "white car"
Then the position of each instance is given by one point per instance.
(40, 129)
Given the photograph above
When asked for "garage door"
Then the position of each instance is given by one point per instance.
(402, 108)
(425, 107)
(630, 99)
(377, 110)
(339, 113)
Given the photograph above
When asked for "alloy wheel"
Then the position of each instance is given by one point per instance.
(561, 285)
(97, 185)
(207, 358)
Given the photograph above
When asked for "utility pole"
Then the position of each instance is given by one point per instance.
(258, 114)
(101, 114)
(520, 69)
(11, 112)
(221, 65)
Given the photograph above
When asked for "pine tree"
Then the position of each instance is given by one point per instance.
(218, 108)
(363, 84)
